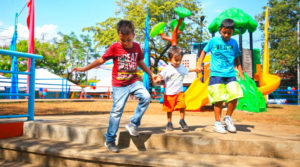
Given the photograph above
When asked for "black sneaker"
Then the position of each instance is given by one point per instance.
(111, 147)
(183, 126)
(169, 126)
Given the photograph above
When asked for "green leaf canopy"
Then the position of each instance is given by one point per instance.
(182, 12)
(240, 18)
(157, 29)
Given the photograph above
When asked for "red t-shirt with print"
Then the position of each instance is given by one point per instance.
(125, 60)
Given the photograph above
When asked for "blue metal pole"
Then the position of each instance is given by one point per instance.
(62, 89)
(146, 52)
(66, 94)
(14, 65)
(20, 54)
(31, 90)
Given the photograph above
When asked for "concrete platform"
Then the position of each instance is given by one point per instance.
(78, 141)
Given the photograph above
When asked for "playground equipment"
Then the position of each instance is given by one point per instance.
(197, 95)
(176, 25)
(31, 74)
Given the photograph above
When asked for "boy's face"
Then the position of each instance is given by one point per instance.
(126, 40)
(176, 61)
(226, 33)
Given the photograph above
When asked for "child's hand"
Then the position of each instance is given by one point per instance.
(80, 69)
(154, 76)
(241, 74)
(156, 79)
(198, 69)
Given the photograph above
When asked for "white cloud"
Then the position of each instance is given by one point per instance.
(44, 33)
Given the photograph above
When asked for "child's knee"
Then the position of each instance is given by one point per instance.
(147, 98)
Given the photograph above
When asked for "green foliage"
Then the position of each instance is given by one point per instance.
(104, 33)
(60, 57)
(5, 63)
(283, 17)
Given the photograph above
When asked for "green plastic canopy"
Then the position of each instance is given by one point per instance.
(182, 12)
(174, 23)
(240, 18)
(157, 29)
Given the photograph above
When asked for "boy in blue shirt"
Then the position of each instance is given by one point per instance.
(223, 86)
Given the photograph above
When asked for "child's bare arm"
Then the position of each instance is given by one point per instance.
(199, 67)
(94, 64)
(239, 67)
(143, 66)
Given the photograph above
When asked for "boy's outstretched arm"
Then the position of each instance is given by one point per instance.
(239, 67)
(143, 66)
(199, 66)
(197, 69)
(94, 64)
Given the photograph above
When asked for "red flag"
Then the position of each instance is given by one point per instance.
(30, 25)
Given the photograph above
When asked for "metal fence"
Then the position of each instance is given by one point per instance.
(284, 96)
(31, 74)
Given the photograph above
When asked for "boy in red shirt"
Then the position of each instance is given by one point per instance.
(126, 55)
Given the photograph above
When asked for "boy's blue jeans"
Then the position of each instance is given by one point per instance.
(120, 96)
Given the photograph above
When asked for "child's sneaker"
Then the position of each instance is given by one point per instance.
(169, 126)
(219, 127)
(132, 129)
(111, 147)
(183, 125)
(229, 125)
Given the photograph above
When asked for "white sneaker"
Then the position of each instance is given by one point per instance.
(132, 130)
(229, 125)
(219, 127)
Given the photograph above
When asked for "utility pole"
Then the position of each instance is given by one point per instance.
(201, 36)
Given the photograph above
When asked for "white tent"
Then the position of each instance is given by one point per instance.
(44, 79)
(101, 86)
(4, 82)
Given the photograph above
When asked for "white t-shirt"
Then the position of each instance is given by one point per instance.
(173, 78)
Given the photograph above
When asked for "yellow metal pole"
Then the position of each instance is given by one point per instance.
(266, 45)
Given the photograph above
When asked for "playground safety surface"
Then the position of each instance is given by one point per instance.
(276, 114)
(71, 133)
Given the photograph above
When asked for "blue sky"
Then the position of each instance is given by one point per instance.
(66, 16)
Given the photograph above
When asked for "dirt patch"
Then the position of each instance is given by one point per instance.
(276, 114)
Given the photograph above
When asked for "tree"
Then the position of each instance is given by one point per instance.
(283, 17)
(71, 49)
(60, 57)
(105, 34)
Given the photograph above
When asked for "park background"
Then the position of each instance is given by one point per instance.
(73, 33)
